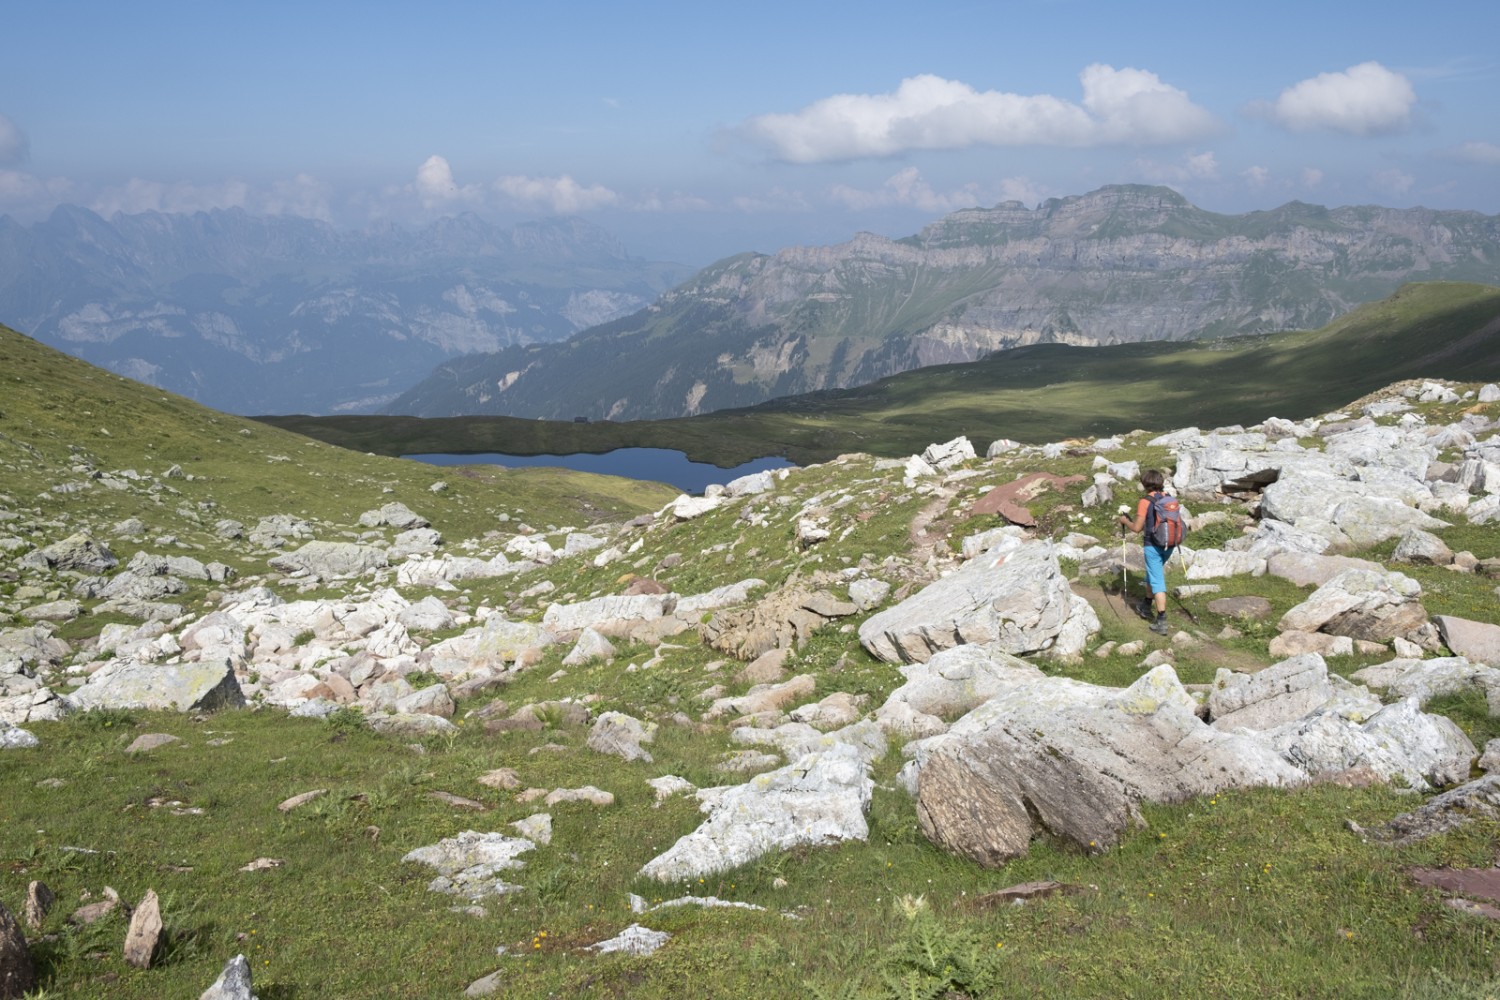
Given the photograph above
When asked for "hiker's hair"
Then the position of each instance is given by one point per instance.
(1152, 480)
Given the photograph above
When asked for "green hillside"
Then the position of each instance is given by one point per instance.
(100, 446)
(1033, 394)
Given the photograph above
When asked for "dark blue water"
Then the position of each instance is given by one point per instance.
(661, 465)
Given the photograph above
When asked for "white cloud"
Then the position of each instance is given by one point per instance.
(1311, 177)
(562, 194)
(1256, 177)
(1023, 190)
(1367, 99)
(1484, 153)
(930, 112)
(1394, 182)
(303, 195)
(435, 185)
(908, 188)
(22, 190)
(13, 146)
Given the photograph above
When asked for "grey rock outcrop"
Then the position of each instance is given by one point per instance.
(1022, 605)
(1397, 742)
(1477, 641)
(621, 735)
(233, 982)
(16, 738)
(471, 864)
(201, 686)
(1075, 760)
(331, 560)
(950, 684)
(1362, 605)
(1271, 697)
(820, 799)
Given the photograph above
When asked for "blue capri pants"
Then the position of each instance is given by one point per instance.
(1156, 558)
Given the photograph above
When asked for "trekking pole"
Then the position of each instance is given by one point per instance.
(1124, 574)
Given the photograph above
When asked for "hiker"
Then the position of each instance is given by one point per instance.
(1159, 519)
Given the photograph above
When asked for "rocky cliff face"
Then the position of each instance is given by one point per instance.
(260, 314)
(1121, 264)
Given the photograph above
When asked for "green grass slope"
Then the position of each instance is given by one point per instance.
(1033, 394)
(65, 425)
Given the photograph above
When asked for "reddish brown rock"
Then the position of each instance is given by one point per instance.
(1009, 500)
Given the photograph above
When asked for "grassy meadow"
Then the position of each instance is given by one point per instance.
(1248, 894)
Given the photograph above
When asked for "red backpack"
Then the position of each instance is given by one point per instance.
(1165, 524)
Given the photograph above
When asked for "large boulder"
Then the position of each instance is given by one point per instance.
(330, 560)
(1019, 603)
(1362, 605)
(621, 735)
(1398, 742)
(950, 684)
(606, 615)
(202, 686)
(1271, 697)
(1075, 760)
(78, 552)
(1308, 569)
(1476, 641)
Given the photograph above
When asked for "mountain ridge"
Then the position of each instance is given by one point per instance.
(1118, 265)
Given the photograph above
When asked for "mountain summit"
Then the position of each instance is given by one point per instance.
(1121, 264)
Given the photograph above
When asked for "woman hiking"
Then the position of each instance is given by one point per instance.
(1159, 519)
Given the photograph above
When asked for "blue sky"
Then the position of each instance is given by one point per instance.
(696, 130)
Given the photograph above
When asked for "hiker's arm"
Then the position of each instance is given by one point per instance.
(1139, 524)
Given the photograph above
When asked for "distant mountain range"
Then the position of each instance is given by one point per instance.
(279, 314)
(1121, 264)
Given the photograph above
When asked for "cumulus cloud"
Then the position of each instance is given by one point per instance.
(1367, 99)
(1483, 153)
(561, 194)
(1311, 177)
(435, 186)
(1119, 106)
(21, 190)
(13, 145)
(1256, 177)
(303, 196)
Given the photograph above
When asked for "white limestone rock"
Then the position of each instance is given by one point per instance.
(820, 799)
(1022, 605)
(1362, 605)
(201, 686)
(621, 735)
(470, 864)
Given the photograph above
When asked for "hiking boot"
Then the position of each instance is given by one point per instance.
(1143, 610)
(1160, 625)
